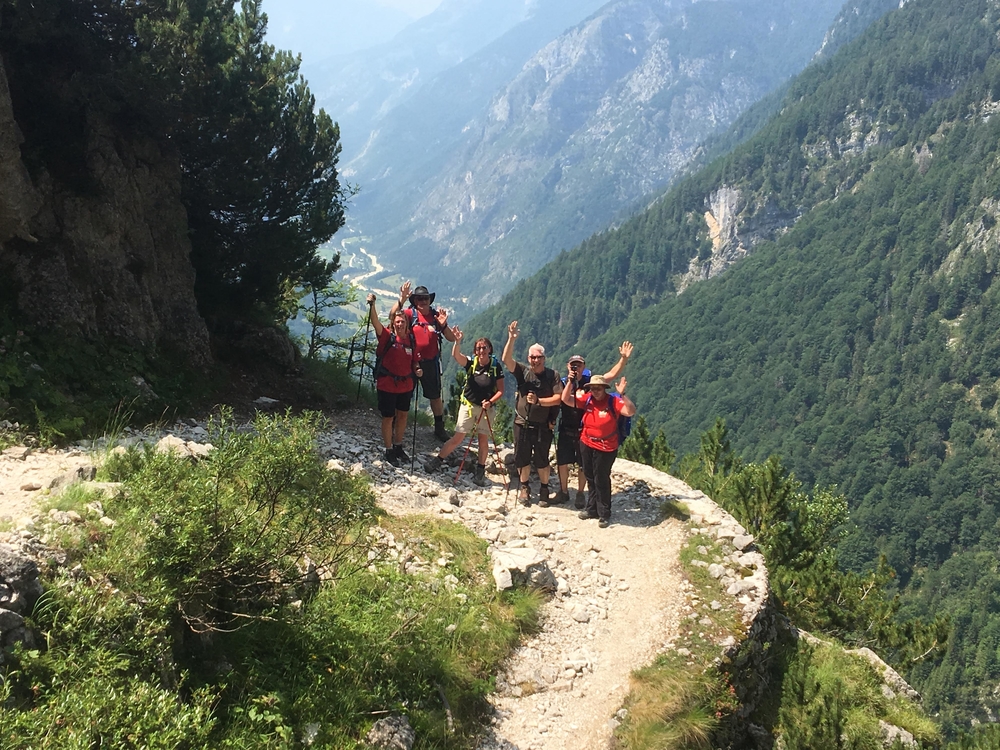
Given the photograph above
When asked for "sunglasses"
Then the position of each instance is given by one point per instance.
(482, 348)
(536, 356)
(421, 298)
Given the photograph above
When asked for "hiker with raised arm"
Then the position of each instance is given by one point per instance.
(429, 326)
(599, 440)
(396, 371)
(568, 440)
(537, 393)
(483, 388)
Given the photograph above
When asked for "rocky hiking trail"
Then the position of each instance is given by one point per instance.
(618, 595)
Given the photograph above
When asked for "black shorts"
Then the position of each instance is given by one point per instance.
(533, 443)
(568, 448)
(430, 381)
(390, 403)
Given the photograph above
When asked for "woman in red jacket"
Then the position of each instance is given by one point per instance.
(396, 372)
(598, 439)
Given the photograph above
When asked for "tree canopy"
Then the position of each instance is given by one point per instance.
(258, 163)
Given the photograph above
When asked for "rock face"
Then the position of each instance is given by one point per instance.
(110, 261)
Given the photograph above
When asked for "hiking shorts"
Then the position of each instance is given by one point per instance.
(568, 448)
(390, 403)
(470, 421)
(430, 381)
(533, 443)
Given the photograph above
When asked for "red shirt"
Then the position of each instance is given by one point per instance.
(399, 359)
(599, 425)
(425, 333)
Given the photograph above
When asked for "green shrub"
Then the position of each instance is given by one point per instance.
(228, 538)
(832, 699)
(191, 612)
(101, 711)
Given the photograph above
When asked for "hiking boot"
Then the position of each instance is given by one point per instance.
(524, 496)
(441, 433)
(543, 496)
(434, 463)
(480, 476)
(561, 497)
(604, 523)
(392, 458)
(586, 515)
(401, 454)
(581, 500)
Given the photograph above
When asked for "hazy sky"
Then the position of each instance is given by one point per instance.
(321, 28)
(415, 8)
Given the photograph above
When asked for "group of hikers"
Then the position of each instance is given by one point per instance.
(588, 412)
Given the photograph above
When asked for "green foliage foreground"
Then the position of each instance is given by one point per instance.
(193, 622)
(817, 696)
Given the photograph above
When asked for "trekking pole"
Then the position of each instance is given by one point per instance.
(472, 435)
(496, 454)
(364, 351)
(416, 398)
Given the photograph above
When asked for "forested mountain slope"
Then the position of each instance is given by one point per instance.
(858, 336)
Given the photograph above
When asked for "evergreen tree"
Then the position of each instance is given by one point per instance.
(259, 163)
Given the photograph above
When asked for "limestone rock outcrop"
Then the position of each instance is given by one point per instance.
(107, 257)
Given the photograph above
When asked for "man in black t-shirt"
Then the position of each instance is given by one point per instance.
(538, 390)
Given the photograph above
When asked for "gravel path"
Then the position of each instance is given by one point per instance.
(620, 600)
(26, 475)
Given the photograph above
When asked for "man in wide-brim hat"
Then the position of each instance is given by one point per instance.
(429, 326)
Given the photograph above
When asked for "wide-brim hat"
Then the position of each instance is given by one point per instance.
(599, 380)
(421, 291)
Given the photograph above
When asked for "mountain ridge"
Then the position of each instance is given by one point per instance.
(633, 89)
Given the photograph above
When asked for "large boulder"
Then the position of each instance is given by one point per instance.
(391, 733)
(522, 567)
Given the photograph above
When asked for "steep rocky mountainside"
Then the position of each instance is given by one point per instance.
(606, 113)
(364, 90)
(108, 261)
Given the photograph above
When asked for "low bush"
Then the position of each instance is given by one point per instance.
(249, 600)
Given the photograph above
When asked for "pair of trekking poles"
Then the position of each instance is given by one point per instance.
(496, 449)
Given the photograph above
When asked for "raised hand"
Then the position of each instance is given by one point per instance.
(512, 331)
(458, 333)
(404, 292)
(620, 387)
(625, 349)
(441, 316)
(371, 299)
